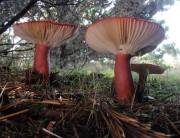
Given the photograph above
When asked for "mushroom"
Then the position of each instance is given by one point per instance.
(45, 35)
(124, 37)
(144, 70)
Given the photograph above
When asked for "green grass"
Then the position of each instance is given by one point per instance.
(160, 86)
(88, 80)
(92, 79)
(100, 80)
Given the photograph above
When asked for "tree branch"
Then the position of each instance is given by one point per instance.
(18, 16)
(66, 3)
(20, 50)
(9, 44)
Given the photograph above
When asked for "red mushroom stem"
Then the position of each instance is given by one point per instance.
(41, 60)
(124, 85)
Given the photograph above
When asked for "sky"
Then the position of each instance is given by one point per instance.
(172, 20)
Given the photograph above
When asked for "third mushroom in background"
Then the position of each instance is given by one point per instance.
(124, 37)
(144, 70)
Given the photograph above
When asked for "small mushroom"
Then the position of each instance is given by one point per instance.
(144, 70)
(45, 35)
(124, 37)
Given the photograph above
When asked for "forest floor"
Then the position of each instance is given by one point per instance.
(84, 106)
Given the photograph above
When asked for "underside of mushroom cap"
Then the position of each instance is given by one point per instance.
(48, 33)
(147, 68)
(126, 35)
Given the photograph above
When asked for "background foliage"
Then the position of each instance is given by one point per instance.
(19, 53)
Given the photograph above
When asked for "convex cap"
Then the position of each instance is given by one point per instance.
(147, 68)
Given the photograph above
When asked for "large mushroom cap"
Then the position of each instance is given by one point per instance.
(147, 68)
(45, 32)
(124, 35)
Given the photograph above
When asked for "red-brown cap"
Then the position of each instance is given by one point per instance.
(45, 32)
(147, 68)
(124, 35)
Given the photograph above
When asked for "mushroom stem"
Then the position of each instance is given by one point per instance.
(142, 78)
(41, 60)
(124, 85)
(141, 87)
